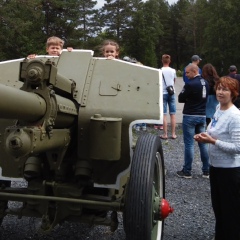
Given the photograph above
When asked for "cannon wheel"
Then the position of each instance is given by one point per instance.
(146, 181)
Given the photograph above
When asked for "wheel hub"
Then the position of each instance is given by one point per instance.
(161, 208)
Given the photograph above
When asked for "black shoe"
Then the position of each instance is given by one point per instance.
(205, 175)
(184, 174)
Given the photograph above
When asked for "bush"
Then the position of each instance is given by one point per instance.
(179, 73)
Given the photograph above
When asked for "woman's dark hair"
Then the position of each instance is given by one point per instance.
(209, 73)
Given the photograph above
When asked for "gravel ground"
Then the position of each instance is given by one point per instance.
(192, 218)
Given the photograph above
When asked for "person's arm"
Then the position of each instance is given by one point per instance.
(234, 145)
(200, 71)
(205, 138)
(183, 95)
(231, 146)
(184, 75)
(175, 76)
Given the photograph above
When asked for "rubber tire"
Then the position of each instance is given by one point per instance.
(147, 167)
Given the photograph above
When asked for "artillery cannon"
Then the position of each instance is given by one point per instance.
(66, 128)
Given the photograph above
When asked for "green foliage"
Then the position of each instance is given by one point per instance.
(222, 34)
(20, 24)
(143, 33)
(116, 15)
(144, 30)
(179, 73)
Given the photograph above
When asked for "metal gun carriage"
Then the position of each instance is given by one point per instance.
(66, 128)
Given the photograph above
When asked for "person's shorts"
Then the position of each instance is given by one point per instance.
(170, 101)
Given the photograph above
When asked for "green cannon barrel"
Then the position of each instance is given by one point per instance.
(30, 107)
(46, 120)
(18, 104)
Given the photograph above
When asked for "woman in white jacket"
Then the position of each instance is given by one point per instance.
(223, 136)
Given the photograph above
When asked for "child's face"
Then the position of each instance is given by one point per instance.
(110, 51)
(54, 50)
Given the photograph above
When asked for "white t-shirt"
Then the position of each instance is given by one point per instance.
(169, 75)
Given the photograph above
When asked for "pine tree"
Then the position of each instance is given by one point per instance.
(116, 16)
(143, 33)
(20, 23)
(88, 25)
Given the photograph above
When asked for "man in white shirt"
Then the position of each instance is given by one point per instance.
(169, 78)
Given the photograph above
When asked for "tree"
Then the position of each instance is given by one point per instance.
(26, 24)
(61, 17)
(222, 34)
(165, 39)
(141, 37)
(116, 15)
(144, 30)
(19, 25)
(85, 24)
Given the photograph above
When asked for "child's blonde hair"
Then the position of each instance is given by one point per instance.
(109, 42)
(54, 41)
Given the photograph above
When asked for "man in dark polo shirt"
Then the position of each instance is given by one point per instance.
(194, 96)
(233, 74)
(195, 60)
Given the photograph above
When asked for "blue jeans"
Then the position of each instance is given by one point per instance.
(171, 102)
(193, 125)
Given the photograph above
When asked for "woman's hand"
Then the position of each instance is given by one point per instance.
(204, 138)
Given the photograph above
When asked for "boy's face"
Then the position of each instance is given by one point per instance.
(54, 50)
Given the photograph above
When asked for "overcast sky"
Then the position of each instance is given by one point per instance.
(101, 2)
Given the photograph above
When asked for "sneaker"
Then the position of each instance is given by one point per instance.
(184, 174)
(205, 175)
(161, 127)
(156, 126)
(144, 126)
